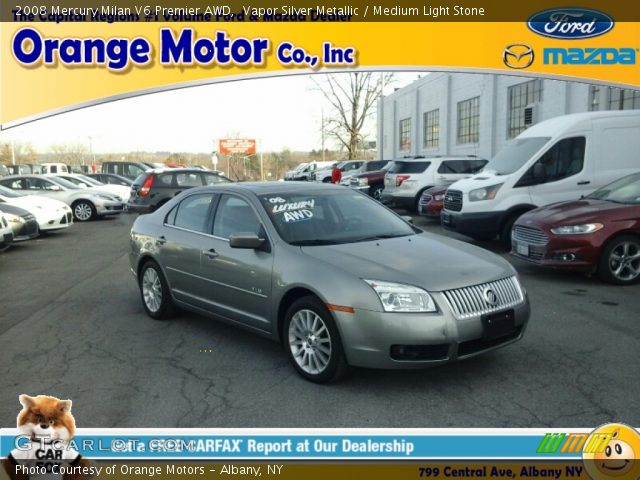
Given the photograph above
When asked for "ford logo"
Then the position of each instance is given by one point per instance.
(570, 23)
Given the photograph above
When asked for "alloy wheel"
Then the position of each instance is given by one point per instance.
(310, 341)
(151, 289)
(624, 261)
(83, 211)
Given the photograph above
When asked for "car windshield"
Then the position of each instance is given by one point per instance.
(7, 192)
(626, 190)
(512, 157)
(89, 180)
(331, 217)
(63, 183)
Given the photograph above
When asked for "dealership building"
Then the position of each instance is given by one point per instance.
(476, 114)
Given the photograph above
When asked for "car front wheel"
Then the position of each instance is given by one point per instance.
(154, 291)
(620, 261)
(83, 211)
(312, 341)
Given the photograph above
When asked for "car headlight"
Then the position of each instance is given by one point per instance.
(485, 193)
(397, 297)
(438, 198)
(577, 229)
(16, 219)
(105, 197)
(363, 182)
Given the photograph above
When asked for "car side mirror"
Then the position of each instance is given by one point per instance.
(539, 172)
(246, 240)
(55, 188)
(407, 219)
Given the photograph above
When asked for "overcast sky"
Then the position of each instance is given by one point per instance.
(281, 112)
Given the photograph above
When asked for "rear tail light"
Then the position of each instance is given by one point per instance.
(400, 179)
(146, 187)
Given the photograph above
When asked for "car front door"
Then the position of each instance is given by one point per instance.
(239, 280)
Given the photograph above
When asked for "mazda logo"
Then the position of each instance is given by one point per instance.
(490, 296)
(518, 56)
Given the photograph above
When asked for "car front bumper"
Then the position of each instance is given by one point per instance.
(6, 240)
(57, 221)
(398, 201)
(573, 252)
(109, 208)
(482, 224)
(431, 209)
(417, 340)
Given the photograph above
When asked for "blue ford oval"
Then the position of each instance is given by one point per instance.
(570, 23)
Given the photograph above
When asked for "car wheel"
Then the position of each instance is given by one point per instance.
(154, 291)
(83, 211)
(376, 192)
(620, 261)
(312, 341)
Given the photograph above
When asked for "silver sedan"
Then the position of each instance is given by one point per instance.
(336, 277)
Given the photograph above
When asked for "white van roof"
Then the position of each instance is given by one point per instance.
(574, 121)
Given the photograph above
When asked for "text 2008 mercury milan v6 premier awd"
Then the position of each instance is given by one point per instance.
(338, 278)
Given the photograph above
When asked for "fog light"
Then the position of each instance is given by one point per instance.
(565, 257)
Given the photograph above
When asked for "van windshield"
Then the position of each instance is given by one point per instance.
(512, 157)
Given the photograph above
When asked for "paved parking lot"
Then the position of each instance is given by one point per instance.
(72, 325)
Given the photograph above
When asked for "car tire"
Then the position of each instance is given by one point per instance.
(505, 232)
(312, 341)
(620, 260)
(154, 292)
(376, 193)
(83, 210)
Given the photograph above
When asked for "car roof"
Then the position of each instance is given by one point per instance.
(268, 188)
(439, 157)
(180, 170)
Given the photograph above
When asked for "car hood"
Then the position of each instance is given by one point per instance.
(432, 262)
(29, 202)
(575, 212)
(482, 179)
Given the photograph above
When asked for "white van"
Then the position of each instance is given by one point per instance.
(556, 160)
(54, 168)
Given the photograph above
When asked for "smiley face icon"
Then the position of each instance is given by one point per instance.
(612, 451)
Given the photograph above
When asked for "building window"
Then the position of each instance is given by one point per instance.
(469, 121)
(623, 99)
(405, 134)
(594, 98)
(520, 96)
(431, 132)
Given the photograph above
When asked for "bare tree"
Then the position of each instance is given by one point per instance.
(353, 97)
(71, 153)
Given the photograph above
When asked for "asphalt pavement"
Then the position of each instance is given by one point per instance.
(72, 326)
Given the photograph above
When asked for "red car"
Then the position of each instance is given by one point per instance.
(432, 201)
(598, 233)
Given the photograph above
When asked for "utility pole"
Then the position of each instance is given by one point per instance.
(322, 113)
(381, 139)
(13, 152)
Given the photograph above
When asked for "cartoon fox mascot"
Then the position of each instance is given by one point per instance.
(47, 426)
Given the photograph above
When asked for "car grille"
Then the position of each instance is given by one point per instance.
(532, 236)
(453, 200)
(470, 301)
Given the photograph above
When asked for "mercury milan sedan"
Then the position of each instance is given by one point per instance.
(336, 277)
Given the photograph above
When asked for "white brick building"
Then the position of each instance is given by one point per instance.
(476, 114)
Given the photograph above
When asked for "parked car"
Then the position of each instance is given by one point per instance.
(24, 169)
(22, 222)
(337, 277)
(86, 204)
(291, 173)
(305, 173)
(55, 168)
(598, 233)
(407, 179)
(556, 160)
(372, 181)
(111, 179)
(348, 168)
(4, 171)
(84, 181)
(50, 214)
(155, 187)
(130, 170)
(6, 233)
(432, 201)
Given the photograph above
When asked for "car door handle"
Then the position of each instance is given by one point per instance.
(161, 240)
(584, 182)
(211, 253)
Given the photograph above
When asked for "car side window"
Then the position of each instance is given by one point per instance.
(188, 180)
(165, 179)
(192, 213)
(234, 215)
(15, 184)
(564, 159)
(213, 179)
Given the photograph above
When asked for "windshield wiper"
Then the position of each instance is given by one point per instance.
(314, 242)
(380, 237)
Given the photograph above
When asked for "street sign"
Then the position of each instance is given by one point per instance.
(245, 146)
